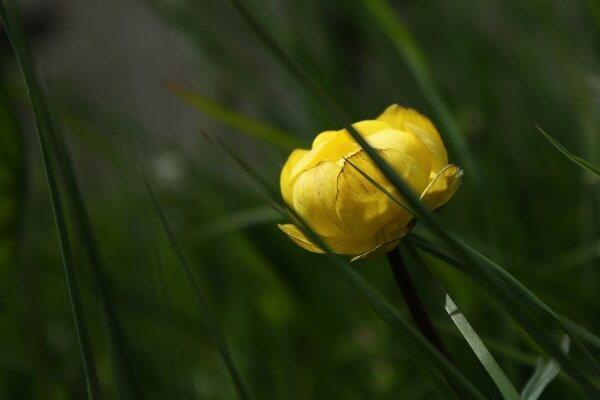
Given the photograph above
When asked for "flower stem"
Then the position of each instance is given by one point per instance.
(415, 306)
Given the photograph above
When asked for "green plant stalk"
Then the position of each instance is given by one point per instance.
(506, 388)
(417, 309)
(415, 306)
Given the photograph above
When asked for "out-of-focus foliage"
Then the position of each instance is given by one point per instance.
(294, 326)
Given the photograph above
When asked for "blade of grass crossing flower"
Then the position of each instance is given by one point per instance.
(427, 217)
(442, 254)
(506, 388)
(213, 327)
(577, 160)
(511, 281)
(414, 341)
(544, 374)
(386, 18)
(10, 21)
(237, 121)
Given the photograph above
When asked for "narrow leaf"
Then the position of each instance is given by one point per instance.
(544, 374)
(45, 125)
(577, 160)
(237, 121)
(386, 18)
(506, 388)
(211, 322)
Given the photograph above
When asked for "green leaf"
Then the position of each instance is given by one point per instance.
(234, 120)
(577, 160)
(506, 388)
(544, 374)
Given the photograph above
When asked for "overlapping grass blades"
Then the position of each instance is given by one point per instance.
(385, 18)
(488, 277)
(213, 327)
(484, 356)
(116, 341)
(45, 126)
(421, 349)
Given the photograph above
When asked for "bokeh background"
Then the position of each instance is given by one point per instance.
(142, 80)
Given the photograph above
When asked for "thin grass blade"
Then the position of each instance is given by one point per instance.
(544, 374)
(237, 121)
(386, 18)
(12, 178)
(44, 123)
(211, 322)
(236, 221)
(506, 388)
(577, 160)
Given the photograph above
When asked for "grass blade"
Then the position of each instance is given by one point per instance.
(506, 292)
(124, 372)
(544, 374)
(213, 327)
(12, 178)
(236, 221)
(241, 123)
(408, 48)
(39, 102)
(577, 160)
(506, 388)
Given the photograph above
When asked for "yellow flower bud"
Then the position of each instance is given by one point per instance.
(348, 212)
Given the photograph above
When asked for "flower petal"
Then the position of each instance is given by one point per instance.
(402, 118)
(284, 179)
(335, 145)
(364, 209)
(315, 193)
(344, 245)
(442, 187)
(298, 237)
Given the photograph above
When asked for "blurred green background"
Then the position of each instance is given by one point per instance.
(141, 80)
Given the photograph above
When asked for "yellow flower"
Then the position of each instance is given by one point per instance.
(348, 212)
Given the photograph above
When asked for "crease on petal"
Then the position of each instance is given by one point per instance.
(406, 118)
(335, 145)
(363, 208)
(442, 187)
(315, 194)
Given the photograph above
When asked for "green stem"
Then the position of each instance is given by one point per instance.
(417, 309)
(415, 306)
